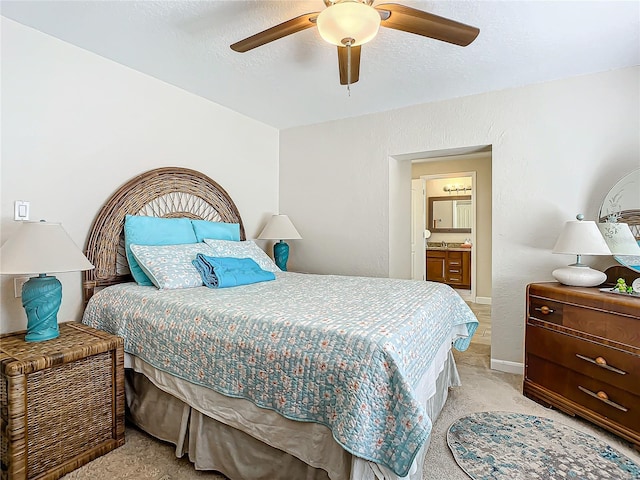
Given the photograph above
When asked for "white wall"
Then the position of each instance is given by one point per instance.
(76, 126)
(557, 148)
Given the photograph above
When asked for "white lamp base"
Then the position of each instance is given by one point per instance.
(582, 276)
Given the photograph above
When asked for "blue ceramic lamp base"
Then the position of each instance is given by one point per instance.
(281, 254)
(41, 299)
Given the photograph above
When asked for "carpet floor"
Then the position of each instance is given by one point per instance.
(483, 389)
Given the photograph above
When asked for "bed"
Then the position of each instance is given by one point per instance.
(300, 377)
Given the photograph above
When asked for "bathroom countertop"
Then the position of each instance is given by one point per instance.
(456, 247)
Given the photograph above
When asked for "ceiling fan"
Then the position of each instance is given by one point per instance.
(350, 23)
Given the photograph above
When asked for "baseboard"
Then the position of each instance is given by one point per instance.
(483, 300)
(507, 367)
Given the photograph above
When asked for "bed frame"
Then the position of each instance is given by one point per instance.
(167, 192)
(180, 192)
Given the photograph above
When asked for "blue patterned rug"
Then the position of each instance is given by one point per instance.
(503, 445)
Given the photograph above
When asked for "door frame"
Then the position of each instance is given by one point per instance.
(418, 231)
(472, 174)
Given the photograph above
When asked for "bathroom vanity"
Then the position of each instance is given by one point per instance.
(450, 265)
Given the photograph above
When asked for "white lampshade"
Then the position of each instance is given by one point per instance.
(349, 19)
(581, 237)
(279, 227)
(41, 247)
(619, 238)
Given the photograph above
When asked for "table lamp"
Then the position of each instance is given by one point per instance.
(279, 227)
(38, 247)
(579, 237)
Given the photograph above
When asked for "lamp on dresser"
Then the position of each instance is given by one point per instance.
(580, 237)
(279, 227)
(40, 248)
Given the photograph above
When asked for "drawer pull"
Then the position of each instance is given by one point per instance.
(544, 310)
(601, 362)
(603, 397)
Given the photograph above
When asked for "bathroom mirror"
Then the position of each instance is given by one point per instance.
(450, 214)
(622, 205)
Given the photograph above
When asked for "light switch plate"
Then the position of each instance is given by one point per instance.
(21, 210)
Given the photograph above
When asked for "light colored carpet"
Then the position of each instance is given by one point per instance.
(144, 458)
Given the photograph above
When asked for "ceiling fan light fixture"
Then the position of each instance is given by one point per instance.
(348, 19)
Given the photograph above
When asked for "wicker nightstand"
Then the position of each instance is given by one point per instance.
(62, 401)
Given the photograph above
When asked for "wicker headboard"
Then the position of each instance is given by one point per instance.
(163, 192)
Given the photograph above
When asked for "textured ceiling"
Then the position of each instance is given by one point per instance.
(294, 81)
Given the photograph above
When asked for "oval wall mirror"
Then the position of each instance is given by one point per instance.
(622, 205)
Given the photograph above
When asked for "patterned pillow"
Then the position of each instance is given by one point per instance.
(244, 249)
(169, 266)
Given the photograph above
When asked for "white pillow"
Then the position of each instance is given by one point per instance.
(169, 266)
(244, 249)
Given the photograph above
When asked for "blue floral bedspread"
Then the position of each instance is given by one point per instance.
(342, 351)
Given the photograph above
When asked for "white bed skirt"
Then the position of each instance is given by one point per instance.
(245, 442)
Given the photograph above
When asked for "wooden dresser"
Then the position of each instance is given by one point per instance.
(582, 355)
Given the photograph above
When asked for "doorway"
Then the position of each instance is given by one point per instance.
(450, 219)
(403, 169)
(445, 168)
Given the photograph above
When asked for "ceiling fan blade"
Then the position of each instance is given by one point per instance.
(410, 20)
(343, 65)
(289, 27)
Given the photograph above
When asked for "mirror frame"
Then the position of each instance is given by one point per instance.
(616, 200)
(446, 230)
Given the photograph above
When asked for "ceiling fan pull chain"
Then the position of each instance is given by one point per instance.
(349, 68)
(347, 42)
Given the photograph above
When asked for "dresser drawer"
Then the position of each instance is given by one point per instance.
(575, 387)
(545, 310)
(623, 329)
(606, 316)
(454, 256)
(616, 367)
(454, 277)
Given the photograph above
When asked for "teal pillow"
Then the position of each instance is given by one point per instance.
(141, 230)
(218, 230)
